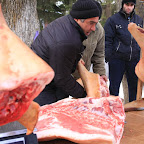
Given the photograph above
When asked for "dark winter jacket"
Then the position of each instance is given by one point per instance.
(60, 45)
(119, 43)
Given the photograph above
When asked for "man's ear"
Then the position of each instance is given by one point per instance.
(76, 20)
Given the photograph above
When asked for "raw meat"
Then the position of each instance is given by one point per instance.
(85, 120)
(138, 34)
(23, 75)
(104, 90)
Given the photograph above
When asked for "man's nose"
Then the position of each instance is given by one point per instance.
(93, 28)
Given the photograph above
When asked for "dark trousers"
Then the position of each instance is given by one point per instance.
(117, 68)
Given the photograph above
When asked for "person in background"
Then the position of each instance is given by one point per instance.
(121, 50)
(60, 45)
(94, 51)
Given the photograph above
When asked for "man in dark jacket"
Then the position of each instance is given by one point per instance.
(121, 50)
(60, 45)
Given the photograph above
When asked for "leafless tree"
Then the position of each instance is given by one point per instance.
(21, 17)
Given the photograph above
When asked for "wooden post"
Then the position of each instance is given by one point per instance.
(139, 89)
(125, 89)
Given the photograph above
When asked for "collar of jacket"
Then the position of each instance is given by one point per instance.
(125, 15)
(77, 26)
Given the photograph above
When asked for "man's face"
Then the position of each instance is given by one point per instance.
(88, 25)
(128, 7)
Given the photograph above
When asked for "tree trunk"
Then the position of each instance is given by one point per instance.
(140, 8)
(119, 5)
(108, 9)
(21, 16)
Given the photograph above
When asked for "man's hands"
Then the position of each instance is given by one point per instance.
(81, 61)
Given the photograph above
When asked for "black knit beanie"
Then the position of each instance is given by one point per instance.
(127, 1)
(100, 8)
(83, 9)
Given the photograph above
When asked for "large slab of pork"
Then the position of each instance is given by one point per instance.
(97, 119)
(23, 75)
(86, 120)
(138, 34)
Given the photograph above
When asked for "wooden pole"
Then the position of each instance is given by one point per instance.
(139, 89)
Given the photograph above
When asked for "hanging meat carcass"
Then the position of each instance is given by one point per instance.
(97, 119)
(23, 75)
(138, 34)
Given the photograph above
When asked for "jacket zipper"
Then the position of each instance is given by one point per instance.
(118, 46)
(131, 49)
(130, 43)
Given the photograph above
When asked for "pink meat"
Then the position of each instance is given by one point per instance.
(15, 102)
(86, 120)
(104, 91)
(23, 75)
